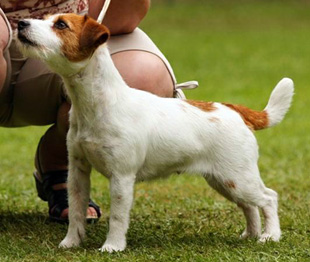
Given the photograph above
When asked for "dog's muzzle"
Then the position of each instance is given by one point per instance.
(23, 24)
(22, 28)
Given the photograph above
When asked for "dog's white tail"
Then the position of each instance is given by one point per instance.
(278, 104)
(279, 101)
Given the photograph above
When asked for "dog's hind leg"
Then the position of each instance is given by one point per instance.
(121, 189)
(253, 192)
(253, 227)
(248, 190)
(267, 200)
(78, 194)
(270, 211)
(251, 213)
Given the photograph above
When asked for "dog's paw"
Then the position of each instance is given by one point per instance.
(112, 247)
(246, 235)
(69, 242)
(270, 237)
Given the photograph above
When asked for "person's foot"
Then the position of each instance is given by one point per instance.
(52, 188)
(91, 213)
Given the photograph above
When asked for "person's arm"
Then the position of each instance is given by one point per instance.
(4, 38)
(123, 16)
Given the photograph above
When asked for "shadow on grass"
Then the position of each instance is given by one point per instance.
(175, 238)
(11, 218)
(29, 225)
(38, 227)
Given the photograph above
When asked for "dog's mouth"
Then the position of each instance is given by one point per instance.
(25, 40)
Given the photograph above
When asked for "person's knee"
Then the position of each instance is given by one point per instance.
(144, 71)
(4, 34)
(4, 39)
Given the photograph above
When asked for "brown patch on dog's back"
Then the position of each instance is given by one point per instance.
(183, 107)
(230, 184)
(205, 106)
(255, 120)
(214, 119)
(82, 36)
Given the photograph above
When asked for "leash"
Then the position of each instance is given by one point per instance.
(103, 11)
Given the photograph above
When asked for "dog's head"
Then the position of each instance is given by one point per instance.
(63, 41)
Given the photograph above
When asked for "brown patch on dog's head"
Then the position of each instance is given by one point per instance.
(205, 106)
(81, 35)
(255, 120)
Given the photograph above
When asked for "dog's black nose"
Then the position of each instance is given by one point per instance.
(22, 24)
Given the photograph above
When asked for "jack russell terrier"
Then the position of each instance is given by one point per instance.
(130, 135)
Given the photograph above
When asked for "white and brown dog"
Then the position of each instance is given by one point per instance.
(130, 135)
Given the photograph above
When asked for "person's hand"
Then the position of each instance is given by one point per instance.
(122, 16)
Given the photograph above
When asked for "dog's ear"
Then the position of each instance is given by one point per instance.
(93, 34)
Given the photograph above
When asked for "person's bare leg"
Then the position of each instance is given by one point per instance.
(144, 71)
(53, 150)
(4, 38)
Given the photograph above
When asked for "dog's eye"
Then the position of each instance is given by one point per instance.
(60, 25)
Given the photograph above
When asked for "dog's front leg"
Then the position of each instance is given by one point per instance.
(121, 189)
(78, 193)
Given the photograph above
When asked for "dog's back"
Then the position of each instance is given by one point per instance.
(186, 136)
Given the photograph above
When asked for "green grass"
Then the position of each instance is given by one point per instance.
(238, 52)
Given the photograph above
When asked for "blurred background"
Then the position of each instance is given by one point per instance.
(238, 51)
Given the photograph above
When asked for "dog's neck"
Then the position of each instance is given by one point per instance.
(96, 87)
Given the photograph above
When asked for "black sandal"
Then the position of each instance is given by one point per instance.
(57, 199)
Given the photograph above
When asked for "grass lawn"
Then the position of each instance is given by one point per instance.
(238, 52)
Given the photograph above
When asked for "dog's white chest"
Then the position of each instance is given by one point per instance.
(90, 147)
(97, 155)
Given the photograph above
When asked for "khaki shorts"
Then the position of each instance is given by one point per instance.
(32, 94)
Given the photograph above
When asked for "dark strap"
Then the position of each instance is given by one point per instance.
(57, 202)
(92, 204)
(57, 199)
(51, 178)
